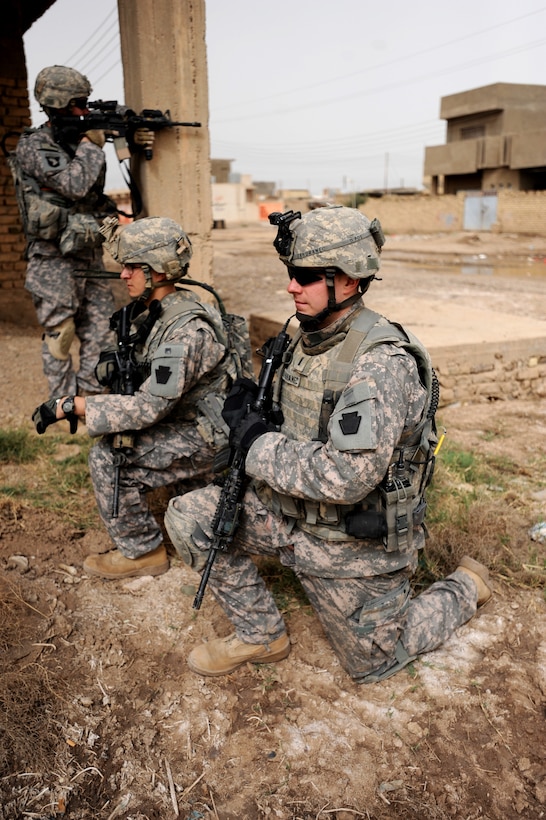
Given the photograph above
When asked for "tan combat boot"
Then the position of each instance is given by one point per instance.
(114, 564)
(480, 575)
(224, 655)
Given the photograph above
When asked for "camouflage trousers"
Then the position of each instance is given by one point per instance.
(151, 464)
(372, 623)
(57, 296)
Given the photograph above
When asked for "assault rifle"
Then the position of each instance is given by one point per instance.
(228, 510)
(124, 375)
(115, 120)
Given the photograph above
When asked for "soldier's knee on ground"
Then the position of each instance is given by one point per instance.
(187, 537)
(58, 339)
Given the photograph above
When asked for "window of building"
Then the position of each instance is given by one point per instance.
(472, 132)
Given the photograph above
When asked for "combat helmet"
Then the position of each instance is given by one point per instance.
(333, 236)
(154, 242)
(56, 85)
(335, 239)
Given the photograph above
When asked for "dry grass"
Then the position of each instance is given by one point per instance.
(29, 693)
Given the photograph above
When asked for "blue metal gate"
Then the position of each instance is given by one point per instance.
(480, 211)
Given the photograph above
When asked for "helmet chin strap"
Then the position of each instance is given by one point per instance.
(150, 285)
(310, 323)
(146, 270)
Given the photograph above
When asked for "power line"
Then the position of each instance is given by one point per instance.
(417, 131)
(394, 61)
(88, 67)
(78, 53)
(108, 70)
(380, 89)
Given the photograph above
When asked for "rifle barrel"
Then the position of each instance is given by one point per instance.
(226, 516)
(81, 273)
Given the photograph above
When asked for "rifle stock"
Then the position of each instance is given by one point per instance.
(228, 510)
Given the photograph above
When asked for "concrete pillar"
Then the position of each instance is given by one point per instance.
(165, 67)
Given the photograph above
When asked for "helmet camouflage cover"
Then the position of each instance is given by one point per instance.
(155, 241)
(56, 85)
(333, 236)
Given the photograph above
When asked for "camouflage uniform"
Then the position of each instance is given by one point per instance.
(168, 446)
(360, 591)
(58, 295)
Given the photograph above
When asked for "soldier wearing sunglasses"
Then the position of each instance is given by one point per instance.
(337, 488)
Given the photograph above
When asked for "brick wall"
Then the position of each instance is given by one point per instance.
(522, 212)
(15, 303)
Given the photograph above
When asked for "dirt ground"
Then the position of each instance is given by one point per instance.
(115, 724)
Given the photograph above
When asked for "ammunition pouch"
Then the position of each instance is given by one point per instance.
(80, 234)
(45, 219)
(44, 213)
(401, 513)
(209, 422)
(392, 515)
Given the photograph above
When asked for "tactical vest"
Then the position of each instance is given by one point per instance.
(48, 215)
(311, 387)
(203, 403)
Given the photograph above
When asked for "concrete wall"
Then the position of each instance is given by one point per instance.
(165, 66)
(420, 214)
(521, 212)
(529, 100)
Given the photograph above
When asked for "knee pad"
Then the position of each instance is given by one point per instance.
(59, 339)
(186, 534)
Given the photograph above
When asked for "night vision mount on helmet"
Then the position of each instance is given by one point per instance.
(334, 238)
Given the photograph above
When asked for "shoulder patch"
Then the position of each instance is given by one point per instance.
(352, 424)
(52, 160)
(165, 371)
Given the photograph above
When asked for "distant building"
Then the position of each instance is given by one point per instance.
(220, 170)
(496, 139)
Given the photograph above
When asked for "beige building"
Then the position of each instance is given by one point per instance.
(496, 140)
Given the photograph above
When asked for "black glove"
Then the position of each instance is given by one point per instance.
(251, 428)
(238, 401)
(44, 415)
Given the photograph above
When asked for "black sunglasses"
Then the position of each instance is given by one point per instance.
(79, 102)
(306, 276)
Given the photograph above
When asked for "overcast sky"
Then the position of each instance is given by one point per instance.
(319, 94)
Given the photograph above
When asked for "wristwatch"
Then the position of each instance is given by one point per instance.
(68, 406)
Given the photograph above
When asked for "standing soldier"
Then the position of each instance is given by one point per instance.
(337, 492)
(181, 371)
(60, 180)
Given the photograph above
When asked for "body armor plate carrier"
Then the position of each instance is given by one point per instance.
(396, 508)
